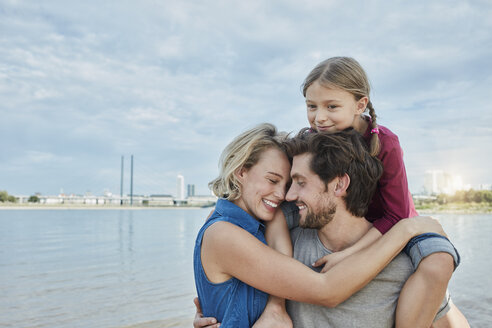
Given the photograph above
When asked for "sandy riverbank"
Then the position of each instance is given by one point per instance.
(456, 208)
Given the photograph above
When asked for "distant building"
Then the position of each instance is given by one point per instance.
(191, 190)
(160, 200)
(440, 182)
(485, 186)
(202, 200)
(180, 195)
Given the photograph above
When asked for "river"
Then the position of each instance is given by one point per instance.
(133, 268)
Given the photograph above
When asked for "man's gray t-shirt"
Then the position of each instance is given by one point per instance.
(372, 306)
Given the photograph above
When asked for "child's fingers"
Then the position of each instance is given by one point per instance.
(327, 267)
(321, 261)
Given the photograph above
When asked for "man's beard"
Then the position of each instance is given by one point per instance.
(317, 220)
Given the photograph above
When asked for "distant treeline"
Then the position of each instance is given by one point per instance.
(6, 198)
(461, 196)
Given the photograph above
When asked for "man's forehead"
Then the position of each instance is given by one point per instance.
(301, 165)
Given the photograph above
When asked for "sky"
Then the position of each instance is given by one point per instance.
(83, 83)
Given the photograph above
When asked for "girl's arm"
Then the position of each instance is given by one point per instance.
(231, 251)
(277, 234)
(392, 195)
(278, 237)
(331, 259)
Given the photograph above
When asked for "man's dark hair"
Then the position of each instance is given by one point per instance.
(335, 154)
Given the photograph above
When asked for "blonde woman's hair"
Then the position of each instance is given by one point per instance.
(244, 152)
(347, 74)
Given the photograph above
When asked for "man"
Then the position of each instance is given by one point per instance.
(333, 179)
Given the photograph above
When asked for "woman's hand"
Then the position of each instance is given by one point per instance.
(200, 321)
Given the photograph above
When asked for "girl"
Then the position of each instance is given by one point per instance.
(337, 96)
(234, 268)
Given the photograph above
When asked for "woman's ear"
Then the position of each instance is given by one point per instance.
(240, 173)
(342, 185)
(362, 104)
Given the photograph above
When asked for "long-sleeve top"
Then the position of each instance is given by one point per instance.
(392, 200)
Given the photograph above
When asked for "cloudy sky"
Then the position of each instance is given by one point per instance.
(172, 82)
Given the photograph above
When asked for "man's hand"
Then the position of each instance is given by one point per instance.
(200, 321)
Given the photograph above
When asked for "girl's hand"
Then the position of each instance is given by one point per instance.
(200, 321)
(273, 320)
(330, 260)
(423, 224)
(274, 315)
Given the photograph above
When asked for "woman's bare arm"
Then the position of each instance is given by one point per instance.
(228, 250)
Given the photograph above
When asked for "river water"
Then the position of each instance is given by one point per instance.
(133, 268)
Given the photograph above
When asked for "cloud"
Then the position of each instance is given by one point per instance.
(172, 82)
(38, 157)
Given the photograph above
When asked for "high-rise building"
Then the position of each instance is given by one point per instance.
(191, 190)
(438, 182)
(180, 195)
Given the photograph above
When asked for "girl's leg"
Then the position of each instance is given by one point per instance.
(453, 319)
(422, 295)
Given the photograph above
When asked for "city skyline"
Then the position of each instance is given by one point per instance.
(172, 83)
(436, 182)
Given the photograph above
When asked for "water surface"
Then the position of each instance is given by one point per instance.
(120, 268)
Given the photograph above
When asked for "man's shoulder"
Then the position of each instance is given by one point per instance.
(399, 269)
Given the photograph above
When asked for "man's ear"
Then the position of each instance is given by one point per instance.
(342, 185)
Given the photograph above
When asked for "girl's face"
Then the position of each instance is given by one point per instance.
(333, 109)
(263, 186)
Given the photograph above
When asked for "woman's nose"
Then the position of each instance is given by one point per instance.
(280, 193)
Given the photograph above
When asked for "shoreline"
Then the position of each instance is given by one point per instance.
(455, 208)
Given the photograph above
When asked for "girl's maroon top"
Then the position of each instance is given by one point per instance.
(392, 200)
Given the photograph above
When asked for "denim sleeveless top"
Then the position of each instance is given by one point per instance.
(232, 302)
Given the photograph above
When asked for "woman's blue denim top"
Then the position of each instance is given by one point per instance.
(232, 302)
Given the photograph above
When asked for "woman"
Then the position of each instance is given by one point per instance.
(234, 268)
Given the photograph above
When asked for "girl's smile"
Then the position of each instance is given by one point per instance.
(333, 109)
